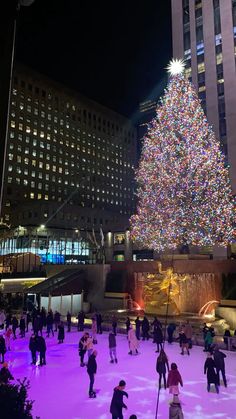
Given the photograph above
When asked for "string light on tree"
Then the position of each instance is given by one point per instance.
(184, 193)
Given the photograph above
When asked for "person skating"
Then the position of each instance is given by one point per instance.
(158, 337)
(219, 358)
(61, 333)
(2, 319)
(81, 317)
(49, 324)
(112, 347)
(8, 335)
(22, 326)
(114, 324)
(57, 320)
(210, 370)
(38, 325)
(208, 341)
(33, 348)
(184, 342)
(14, 326)
(5, 375)
(68, 319)
(2, 349)
(175, 409)
(188, 331)
(28, 320)
(138, 324)
(8, 320)
(174, 379)
(133, 342)
(82, 348)
(91, 370)
(127, 324)
(99, 323)
(41, 348)
(89, 346)
(145, 328)
(170, 331)
(117, 403)
(161, 366)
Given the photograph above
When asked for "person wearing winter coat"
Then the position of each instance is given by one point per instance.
(89, 346)
(158, 337)
(174, 379)
(8, 335)
(33, 348)
(208, 340)
(5, 375)
(219, 358)
(161, 366)
(57, 320)
(28, 321)
(133, 342)
(170, 331)
(210, 370)
(14, 326)
(38, 325)
(175, 409)
(49, 324)
(91, 370)
(41, 348)
(2, 319)
(83, 348)
(2, 349)
(117, 403)
(68, 319)
(94, 330)
(188, 331)
(81, 317)
(22, 326)
(112, 347)
(145, 328)
(99, 323)
(184, 342)
(138, 324)
(61, 333)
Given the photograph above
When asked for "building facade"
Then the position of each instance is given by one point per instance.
(204, 34)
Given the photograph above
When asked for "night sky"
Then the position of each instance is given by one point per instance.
(114, 52)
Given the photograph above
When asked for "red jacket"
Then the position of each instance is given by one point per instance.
(174, 378)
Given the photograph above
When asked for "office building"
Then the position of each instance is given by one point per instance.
(204, 34)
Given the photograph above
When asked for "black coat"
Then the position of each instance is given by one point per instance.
(117, 402)
(219, 358)
(61, 332)
(157, 335)
(145, 325)
(209, 368)
(33, 344)
(41, 344)
(92, 365)
(161, 366)
(2, 345)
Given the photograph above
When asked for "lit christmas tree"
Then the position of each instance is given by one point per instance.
(184, 194)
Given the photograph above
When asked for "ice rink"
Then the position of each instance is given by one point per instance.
(60, 389)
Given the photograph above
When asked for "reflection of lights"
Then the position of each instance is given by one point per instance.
(121, 311)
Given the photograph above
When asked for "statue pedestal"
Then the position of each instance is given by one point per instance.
(161, 310)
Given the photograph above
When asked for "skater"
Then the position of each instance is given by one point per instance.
(68, 318)
(208, 341)
(22, 326)
(94, 330)
(114, 324)
(91, 370)
(145, 328)
(161, 365)
(38, 325)
(210, 370)
(188, 331)
(14, 326)
(82, 348)
(158, 337)
(43, 316)
(2, 319)
(61, 333)
(89, 346)
(184, 342)
(2, 348)
(5, 375)
(174, 379)
(170, 331)
(81, 317)
(8, 320)
(28, 321)
(117, 403)
(57, 319)
(112, 347)
(41, 348)
(33, 348)
(219, 358)
(138, 327)
(127, 323)
(8, 335)
(49, 324)
(99, 323)
(175, 409)
(133, 342)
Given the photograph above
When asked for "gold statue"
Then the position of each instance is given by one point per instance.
(162, 288)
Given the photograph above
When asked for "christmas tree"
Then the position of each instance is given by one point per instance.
(184, 191)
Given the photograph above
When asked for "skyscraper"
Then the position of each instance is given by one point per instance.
(204, 34)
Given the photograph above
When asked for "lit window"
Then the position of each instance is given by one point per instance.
(219, 58)
(201, 67)
(31, 195)
(39, 196)
(28, 130)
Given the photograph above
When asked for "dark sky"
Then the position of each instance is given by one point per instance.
(114, 52)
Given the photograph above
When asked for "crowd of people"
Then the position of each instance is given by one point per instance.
(39, 321)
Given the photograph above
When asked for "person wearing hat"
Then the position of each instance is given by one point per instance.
(117, 403)
(5, 375)
(175, 409)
